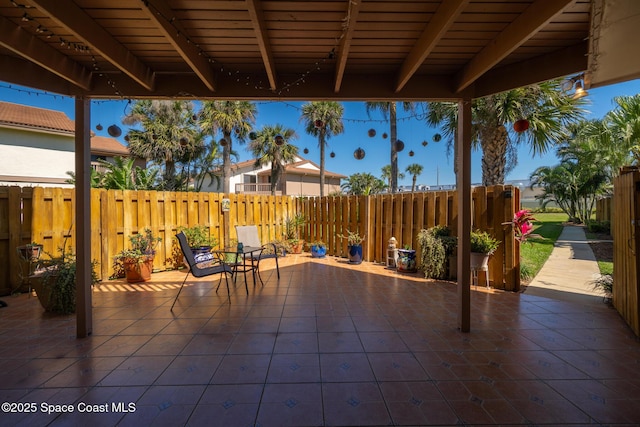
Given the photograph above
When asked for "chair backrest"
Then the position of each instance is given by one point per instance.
(186, 250)
(248, 235)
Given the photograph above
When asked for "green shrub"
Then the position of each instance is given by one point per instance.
(603, 227)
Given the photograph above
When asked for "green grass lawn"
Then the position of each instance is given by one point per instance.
(535, 251)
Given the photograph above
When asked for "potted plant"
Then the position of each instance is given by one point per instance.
(137, 262)
(198, 239)
(438, 252)
(482, 247)
(30, 252)
(55, 283)
(407, 260)
(318, 249)
(354, 245)
(292, 233)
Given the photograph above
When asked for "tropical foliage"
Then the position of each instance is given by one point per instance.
(414, 170)
(267, 151)
(364, 183)
(386, 175)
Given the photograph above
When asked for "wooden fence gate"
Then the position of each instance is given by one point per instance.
(626, 247)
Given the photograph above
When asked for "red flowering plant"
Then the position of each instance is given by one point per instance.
(523, 225)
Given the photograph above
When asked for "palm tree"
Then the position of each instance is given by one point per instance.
(386, 175)
(231, 118)
(266, 150)
(323, 119)
(624, 122)
(414, 170)
(362, 184)
(389, 111)
(546, 107)
(164, 125)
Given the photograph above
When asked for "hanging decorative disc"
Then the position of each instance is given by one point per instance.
(437, 137)
(359, 154)
(279, 140)
(194, 117)
(306, 151)
(223, 142)
(372, 133)
(98, 126)
(332, 154)
(114, 131)
(318, 123)
(384, 135)
(126, 137)
(237, 131)
(425, 143)
(183, 141)
(411, 153)
(252, 136)
(399, 146)
(521, 125)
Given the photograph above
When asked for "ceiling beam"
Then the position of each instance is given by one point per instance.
(35, 50)
(262, 38)
(67, 14)
(519, 31)
(434, 31)
(353, 9)
(163, 17)
(563, 62)
(26, 73)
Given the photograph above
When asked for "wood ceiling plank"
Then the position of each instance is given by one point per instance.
(162, 16)
(35, 50)
(69, 15)
(262, 38)
(350, 22)
(535, 17)
(435, 30)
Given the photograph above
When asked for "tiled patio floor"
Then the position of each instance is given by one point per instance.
(327, 344)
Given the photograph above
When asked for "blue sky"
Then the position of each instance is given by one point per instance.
(438, 167)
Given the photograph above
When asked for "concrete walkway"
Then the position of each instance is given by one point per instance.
(569, 271)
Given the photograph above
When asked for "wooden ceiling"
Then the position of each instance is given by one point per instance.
(282, 49)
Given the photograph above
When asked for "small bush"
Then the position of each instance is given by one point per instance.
(603, 227)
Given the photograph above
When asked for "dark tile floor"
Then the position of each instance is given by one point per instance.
(327, 344)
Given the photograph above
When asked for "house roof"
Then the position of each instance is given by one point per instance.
(34, 118)
(17, 115)
(298, 168)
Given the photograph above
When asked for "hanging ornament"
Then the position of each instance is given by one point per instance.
(372, 133)
(223, 142)
(359, 154)
(252, 136)
(126, 137)
(521, 125)
(183, 141)
(114, 131)
(399, 146)
(332, 154)
(306, 151)
(384, 135)
(98, 126)
(279, 140)
(318, 123)
(194, 117)
(425, 143)
(437, 137)
(237, 131)
(411, 153)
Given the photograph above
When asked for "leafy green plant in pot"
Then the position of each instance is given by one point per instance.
(55, 283)
(198, 238)
(354, 244)
(137, 263)
(482, 247)
(318, 249)
(291, 235)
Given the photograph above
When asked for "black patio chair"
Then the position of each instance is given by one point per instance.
(198, 268)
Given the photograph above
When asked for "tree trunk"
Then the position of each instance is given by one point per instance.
(226, 163)
(413, 184)
(322, 145)
(494, 154)
(394, 153)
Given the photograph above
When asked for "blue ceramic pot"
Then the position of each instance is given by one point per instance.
(355, 254)
(407, 260)
(318, 251)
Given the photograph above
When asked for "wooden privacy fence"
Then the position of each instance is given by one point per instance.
(604, 209)
(626, 246)
(403, 215)
(46, 216)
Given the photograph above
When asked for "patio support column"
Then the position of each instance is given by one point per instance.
(463, 187)
(84, 314)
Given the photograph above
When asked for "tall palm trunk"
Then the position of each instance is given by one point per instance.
(494, 140)
(322, 144)
(413, 185)
(226, 163)
(394, 153)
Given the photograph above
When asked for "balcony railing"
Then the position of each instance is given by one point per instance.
(255, 188)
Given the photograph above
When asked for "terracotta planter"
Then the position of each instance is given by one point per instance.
(136, 271)
(43, 285)
(297, 248)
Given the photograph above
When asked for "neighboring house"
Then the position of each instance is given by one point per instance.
(300, 178)
(37, 147)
